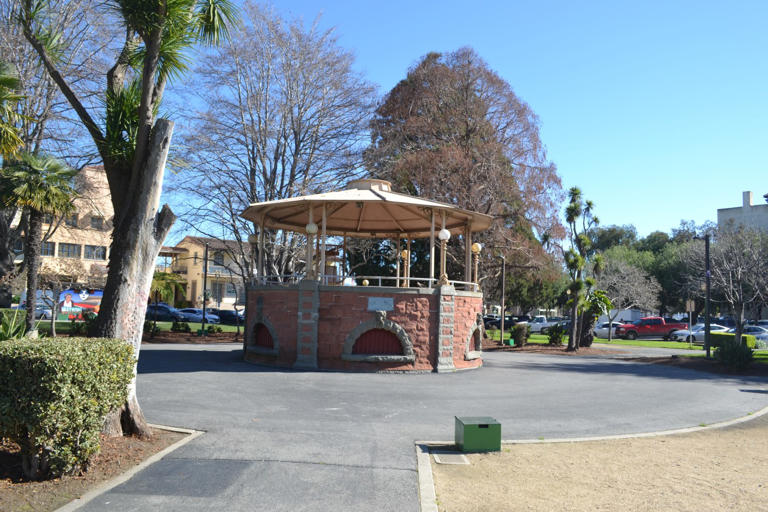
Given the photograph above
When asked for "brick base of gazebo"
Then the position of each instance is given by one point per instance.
(364, 329)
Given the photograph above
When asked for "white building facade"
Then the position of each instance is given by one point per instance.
(748, 215)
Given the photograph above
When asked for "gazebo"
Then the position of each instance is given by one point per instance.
(323, 320)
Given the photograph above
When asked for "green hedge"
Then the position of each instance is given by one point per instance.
(716, 339)
(54, 395)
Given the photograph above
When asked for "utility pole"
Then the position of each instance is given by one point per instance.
(205, 284)
(503, 295)
(707, 343)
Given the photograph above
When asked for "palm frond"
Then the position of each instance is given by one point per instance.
(214, 19)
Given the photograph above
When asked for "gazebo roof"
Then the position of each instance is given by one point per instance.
(366, 209)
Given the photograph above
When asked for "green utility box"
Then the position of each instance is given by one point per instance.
(478, 434)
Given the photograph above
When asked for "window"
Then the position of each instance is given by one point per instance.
(48, 249)
(95, 252)
(69, 250)
(97, 222)
(218, 258)
(231, 291)
(71, 220)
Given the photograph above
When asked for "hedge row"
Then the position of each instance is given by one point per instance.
(716, 339)
(54, 395)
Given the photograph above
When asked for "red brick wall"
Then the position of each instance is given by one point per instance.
(464, 321)
(342, 310)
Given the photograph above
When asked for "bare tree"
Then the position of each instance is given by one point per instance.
(285, 115)
(627, 286)
(739, 270)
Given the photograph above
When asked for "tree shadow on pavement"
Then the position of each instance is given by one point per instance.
(177, 360)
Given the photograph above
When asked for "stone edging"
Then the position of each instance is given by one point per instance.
(124, 477)
(428, 498)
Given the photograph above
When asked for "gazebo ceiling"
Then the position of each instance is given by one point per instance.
(366, 209)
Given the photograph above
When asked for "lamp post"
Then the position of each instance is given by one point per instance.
(476, 248)
(503, 294)
(253, 241)
(444, 236)
(205, 285)
(707, 275)
(406, 255)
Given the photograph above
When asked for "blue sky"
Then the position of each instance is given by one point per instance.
(657, 110)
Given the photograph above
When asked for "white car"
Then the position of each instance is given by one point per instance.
(196, 315)
(758, 331)
(601, 331)
(697, 333)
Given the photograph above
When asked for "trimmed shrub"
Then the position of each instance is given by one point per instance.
(556, 334)
(214, 329)
(150, 327)
(716, 339)
(82, 328)
(520, 333)
(54, 395)
(180, 327)
(738, 355)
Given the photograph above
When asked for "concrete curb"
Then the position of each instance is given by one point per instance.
(124, 477)
(428, 498)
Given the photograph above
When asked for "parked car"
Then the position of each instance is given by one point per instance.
(42, 312)
(565, 324)
(196, 315)
(229, 316)
(696, 333)
(757, 331)
(649, 326)
(509, 322)
(601, 331)
(541, 322)
(164, 313)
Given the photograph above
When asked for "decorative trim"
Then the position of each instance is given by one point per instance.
(259, 318)
(379, 321)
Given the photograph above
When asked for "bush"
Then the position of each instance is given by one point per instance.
(54, 395)
(737, 355)
(716, 339)
(151, 328)
(556, 334)
(82, 328)
(180, 327)
(214, 328)
(520, 333)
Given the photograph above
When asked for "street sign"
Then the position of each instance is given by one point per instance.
(690, 305)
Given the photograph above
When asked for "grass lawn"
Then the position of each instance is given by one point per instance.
(650, 343)
(540, 339)
(166, 326)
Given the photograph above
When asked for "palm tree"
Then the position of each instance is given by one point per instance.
(9, 136)
(42, 186)
(166, 286)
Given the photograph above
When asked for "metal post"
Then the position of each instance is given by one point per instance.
(467, 253)
(503, 293)
(261, 253)
(408, 263)
(706, 304)
(322, 248)
(205, 284)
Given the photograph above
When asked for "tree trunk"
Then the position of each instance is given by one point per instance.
(32, 256)
(6, 259)
(572, 338)
(136, 241)
(587, 325)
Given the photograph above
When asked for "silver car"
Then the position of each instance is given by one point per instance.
(695, 334)
(601, 331)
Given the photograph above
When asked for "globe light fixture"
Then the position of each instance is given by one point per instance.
(365, 282)
(444, 235)
(311, 228)
(476, 248)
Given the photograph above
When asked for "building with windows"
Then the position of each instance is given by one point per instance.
(76, 247)
(224, 283)
(748, 215)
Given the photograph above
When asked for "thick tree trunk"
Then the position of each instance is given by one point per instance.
(136, 241)
(6, 258)
(573, 340)
(32, 257)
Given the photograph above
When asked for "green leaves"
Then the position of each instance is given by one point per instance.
(54, 395)
(214, 18)
(41, 183)
(122, 121)
(10, 141)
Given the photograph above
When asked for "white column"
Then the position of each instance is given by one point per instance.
(322, 248)
(432, 250)
(310, 242)
(408, 263)
(468, 253)
(397, 259)
(260, 270)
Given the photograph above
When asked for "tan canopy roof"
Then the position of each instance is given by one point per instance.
(366, 209)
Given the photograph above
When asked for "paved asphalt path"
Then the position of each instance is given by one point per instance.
(325, 441)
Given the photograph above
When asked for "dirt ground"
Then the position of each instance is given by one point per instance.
(117, 455)
(710, 470)
(185, 337)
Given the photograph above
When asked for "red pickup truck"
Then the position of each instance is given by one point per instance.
(649, 326)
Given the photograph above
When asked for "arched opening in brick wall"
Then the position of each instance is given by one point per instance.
(377, 342)
(262, 337)
(476, 342)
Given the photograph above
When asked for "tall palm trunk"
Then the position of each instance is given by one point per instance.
(32, 257)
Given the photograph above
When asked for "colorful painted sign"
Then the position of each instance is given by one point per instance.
(72, 303)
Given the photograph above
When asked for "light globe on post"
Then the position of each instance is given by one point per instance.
(476, 248)
(444, 235)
